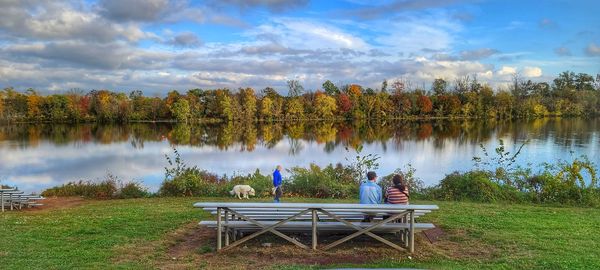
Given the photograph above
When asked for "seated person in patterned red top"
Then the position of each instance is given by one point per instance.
(398, 193)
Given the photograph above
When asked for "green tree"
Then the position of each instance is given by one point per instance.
(439, 86)
(330, 88)
(181, 110)
(225, 106)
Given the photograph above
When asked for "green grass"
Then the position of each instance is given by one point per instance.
(496, 236)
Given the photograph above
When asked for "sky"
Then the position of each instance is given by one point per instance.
(162, 45)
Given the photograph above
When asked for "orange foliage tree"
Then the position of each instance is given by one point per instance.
(424, 104)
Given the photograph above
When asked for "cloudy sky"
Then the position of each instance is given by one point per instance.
(159, 45)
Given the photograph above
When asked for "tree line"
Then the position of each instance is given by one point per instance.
(569, 94)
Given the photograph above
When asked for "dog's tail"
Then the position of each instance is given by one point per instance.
(232, 192)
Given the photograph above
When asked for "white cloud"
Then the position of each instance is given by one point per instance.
(412, 34)
(506, 70)
(532, 72)
(56, 45)
(305, 34)
(592, 49)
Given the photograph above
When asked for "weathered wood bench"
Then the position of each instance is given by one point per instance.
(259, 218)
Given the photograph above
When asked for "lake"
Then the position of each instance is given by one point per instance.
(37, 156)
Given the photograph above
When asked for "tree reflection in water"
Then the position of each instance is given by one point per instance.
(246, 135)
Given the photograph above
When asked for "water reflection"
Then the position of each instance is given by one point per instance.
(34, 156)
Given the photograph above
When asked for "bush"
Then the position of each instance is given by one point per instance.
(190, 182)
(572, 183)
(102, 190)
(473, 186)
(317, 182)
(106, 189)
(132, 190)
(195, 182)
(415, 185)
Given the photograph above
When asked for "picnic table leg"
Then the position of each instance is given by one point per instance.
(271, 228)
(366, 231)
(234, 231)
(411, 244)
(314, 229)
(219, 228)
(226, 228)
(405, 233)
(2, 199)
(10, 201)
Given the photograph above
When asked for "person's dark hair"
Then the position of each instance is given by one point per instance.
(371, 175)
(399, 183)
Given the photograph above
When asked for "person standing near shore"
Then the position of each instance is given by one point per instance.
(278, 192)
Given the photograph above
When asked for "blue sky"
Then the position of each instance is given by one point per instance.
(159, 45)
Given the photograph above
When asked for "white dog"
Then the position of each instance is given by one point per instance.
(244, 190)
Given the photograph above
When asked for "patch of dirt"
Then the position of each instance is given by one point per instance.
(54, 203)
(457, 244)
(192, 247)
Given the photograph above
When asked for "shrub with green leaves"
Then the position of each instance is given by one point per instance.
(329, 182)
(101, 190)
(472, 186)
(415, 185)
(110, 188)
(132, 190)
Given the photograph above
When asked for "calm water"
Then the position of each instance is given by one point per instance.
(35, 157)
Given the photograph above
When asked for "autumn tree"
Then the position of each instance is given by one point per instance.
(424, 104)
(34, 103)
(344, 103)
(402, 104)
(266, 108)
(294, 108)
(325, 106)
(248, 103)
(1, 105)
(355, 94)
(225, 106)
(194, 97)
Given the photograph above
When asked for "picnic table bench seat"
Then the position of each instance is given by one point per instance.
(267, 215)
(303, 226)
(236, 219)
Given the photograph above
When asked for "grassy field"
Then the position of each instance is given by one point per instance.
(156, 233)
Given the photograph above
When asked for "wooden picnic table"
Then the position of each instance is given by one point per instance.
(284, 216)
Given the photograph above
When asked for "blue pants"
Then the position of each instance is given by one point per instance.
(278, 194)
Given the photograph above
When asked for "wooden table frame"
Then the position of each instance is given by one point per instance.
(230, 211)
